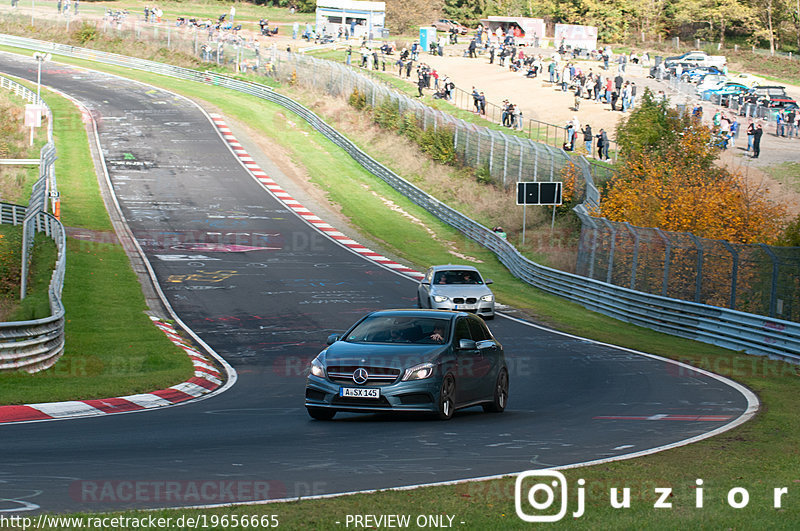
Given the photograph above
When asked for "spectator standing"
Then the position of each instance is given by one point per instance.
(602, 145)
(482, 103)
(791, 122)
(75, 7)
(598, 87)
(757, 141)
(614, 98)
(734, 131)
(587, 139)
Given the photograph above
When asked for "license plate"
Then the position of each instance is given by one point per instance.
(359, 392)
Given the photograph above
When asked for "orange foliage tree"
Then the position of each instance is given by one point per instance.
(677, 188)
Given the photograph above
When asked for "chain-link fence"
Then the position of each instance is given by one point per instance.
(505, 158)
(753, 278)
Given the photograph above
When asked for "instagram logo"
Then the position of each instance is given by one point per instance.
(540, 497)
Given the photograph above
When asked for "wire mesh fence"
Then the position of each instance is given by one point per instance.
(753, 278)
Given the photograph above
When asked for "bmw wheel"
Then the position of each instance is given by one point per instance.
(498, 404)
(321, 413)
(447, 396)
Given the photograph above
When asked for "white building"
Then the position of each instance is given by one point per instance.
(583, 37)
(360, 19)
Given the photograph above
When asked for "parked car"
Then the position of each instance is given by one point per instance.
(728, 88)
(771, 97)
(747, 79)
(710, 82)
(446, 25)
(456, 287)
(409, 360)
(696, 58)
(695, 75)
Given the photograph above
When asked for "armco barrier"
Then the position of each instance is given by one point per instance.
(730, 329)
(35, 345)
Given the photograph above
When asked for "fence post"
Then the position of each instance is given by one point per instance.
(491, 153)
(774, 284)
(505, 160)
(613, 231)
(699, 279)
(635, 262)
(667, 252)
(734, 273)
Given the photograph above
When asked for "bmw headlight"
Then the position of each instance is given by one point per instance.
(439, 298)
(419, 372)
(487, 298)
(317, 367)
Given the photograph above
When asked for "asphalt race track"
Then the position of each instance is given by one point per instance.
(267, 307)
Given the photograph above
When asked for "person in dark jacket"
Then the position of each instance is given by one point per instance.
(602, 144)
(757, 141)
(587, 138)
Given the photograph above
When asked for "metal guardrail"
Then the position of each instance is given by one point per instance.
(727, 328)
(36, 345)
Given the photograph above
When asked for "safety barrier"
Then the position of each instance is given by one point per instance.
(727, 328)
(37, 344)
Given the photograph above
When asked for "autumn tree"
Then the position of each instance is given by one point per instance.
(667, 179)
(405, 15)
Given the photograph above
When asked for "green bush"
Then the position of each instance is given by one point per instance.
(86, 33)
(791, 234)
(387, 115)
(439, 145)
(357, 100)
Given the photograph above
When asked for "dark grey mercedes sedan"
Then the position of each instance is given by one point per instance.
(409, 360)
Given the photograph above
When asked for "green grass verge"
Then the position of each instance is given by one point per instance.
(758, 456)
(111, 348)
(787, 173)
(246, 13)
(36, 304)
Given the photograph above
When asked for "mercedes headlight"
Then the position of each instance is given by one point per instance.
(419, 372)
(487, 298)
(439, 298)
(317, 367)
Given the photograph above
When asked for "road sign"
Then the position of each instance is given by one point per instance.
(539, 193)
